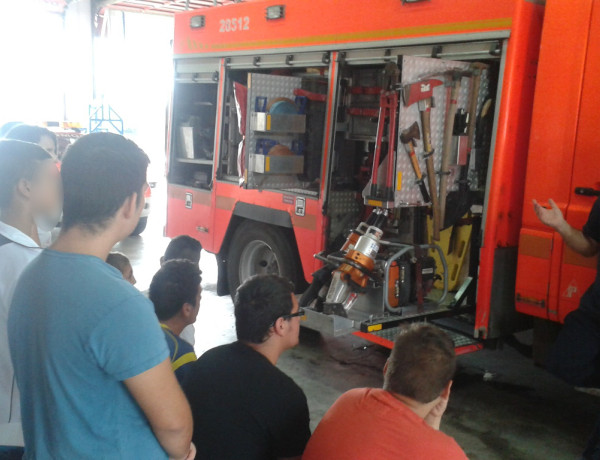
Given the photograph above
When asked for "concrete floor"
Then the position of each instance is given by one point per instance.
(502, 406)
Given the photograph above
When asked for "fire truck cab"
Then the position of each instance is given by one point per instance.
(294, 122)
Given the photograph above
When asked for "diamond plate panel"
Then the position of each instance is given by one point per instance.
(344, 202)
(414, 69)
(460, 340)
(270, 86)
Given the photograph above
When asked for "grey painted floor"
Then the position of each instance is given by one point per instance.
(502, 406)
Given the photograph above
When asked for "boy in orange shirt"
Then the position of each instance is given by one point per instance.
(402, 420)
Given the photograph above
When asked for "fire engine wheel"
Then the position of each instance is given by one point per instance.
(258, 249)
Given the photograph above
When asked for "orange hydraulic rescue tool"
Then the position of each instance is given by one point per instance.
(422, 92)
(388, 113)
(352, 275)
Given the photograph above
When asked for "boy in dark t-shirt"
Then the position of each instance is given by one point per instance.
(175, 292)
(243, 406)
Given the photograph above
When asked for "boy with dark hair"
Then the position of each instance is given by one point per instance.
(175, 292)
(30, 192)
(236, 392)
(36, 135)
(400, 421)
(183, 247)
(122, 263)
(187, 248)
(90, 357)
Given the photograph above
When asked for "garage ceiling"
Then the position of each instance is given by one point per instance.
(164, 6)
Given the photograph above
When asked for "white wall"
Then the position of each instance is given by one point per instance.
(78, 61)
(31, 77)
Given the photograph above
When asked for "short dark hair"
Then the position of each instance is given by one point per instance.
(179, 245)
(30, 133)
(6, 127)
(421, 364)
(175, 284)
(100, 171)
(118, 260)
(258, 303)
(18, 160)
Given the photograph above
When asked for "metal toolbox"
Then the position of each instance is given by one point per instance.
(276, 123)
(270, 164)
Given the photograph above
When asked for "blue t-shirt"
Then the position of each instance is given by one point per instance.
(181, 352)
(76, 331)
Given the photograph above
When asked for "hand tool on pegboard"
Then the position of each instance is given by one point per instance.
(421, 92)
(388, 116)
(453, 81)
(458, 203)
(409, 137)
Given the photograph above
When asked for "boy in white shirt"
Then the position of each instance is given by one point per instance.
(30, 193)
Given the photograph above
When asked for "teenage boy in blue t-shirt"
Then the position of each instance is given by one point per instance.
(175, 292)
(89, 355)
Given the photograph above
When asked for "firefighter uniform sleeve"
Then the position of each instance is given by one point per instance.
(592, 228)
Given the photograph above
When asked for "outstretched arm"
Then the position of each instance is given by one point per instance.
(573, 238)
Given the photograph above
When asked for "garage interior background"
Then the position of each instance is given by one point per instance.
(68, 56)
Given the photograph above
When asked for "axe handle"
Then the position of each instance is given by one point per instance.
(426, 125)
(410, 149)
(473, 99)
(447, 151)
(431, 179)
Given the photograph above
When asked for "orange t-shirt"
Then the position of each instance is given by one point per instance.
(369, 423)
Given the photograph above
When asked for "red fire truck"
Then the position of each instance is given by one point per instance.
(383, 155)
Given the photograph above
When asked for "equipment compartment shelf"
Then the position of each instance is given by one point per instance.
(271, 164)
(196, 161)
(286, 124)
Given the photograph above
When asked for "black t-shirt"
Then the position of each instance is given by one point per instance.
(244, 408)
(592, 230)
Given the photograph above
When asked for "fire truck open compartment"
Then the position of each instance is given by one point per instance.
(193, 127)
(447, 281)
(280, 145)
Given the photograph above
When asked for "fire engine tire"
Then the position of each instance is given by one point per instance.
(261, 249)
(140, 227)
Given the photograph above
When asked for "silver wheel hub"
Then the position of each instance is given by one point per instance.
(257, 258)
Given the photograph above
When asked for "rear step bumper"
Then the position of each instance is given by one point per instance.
(382, 331)
(463, 343)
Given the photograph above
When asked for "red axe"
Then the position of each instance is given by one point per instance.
(421, 92)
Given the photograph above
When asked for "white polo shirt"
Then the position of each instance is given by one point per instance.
(16, 251)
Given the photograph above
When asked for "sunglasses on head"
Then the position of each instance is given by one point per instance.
(300, 313)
